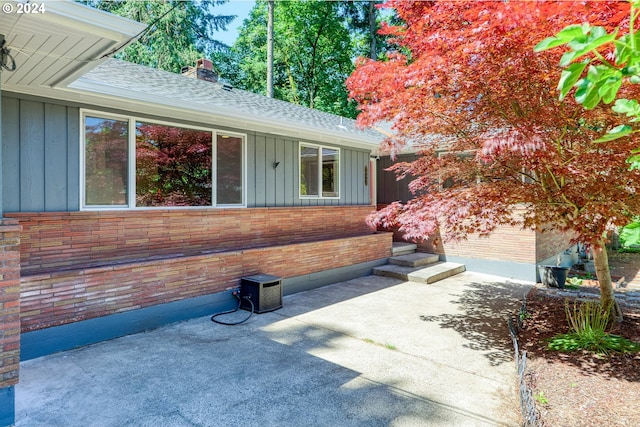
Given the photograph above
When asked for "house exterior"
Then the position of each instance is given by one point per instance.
(508, 252)
(133, 197)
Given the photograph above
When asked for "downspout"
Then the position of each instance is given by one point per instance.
(373, 181)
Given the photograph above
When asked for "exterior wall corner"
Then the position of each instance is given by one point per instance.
(9, 317)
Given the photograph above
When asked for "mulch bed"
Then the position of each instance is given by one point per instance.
(579, 388)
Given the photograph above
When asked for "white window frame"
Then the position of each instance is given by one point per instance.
(131, 185)
(83, 152)
(214, 168)
(319, 147)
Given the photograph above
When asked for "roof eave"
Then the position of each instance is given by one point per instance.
(87, 19)
(102, 24)
(62, 27)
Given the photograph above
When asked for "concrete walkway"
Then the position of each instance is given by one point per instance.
(373, 351)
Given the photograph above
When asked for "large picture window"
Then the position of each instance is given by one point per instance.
(173, 166)
(319, 171)
(137, 163)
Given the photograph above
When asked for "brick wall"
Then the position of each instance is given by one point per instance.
(66, 296)
(550, 243)
(72, 240)
(504, 244)
(9, 302)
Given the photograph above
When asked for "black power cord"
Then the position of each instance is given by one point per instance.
(6, 60)
(237, 295)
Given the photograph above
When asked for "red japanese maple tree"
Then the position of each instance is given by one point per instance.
(466, 81)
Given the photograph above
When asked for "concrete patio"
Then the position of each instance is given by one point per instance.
(372, 351)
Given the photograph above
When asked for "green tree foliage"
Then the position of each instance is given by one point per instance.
(180, 31)
(596, 64)
(313, 55)
(363, 20)
(466, 79)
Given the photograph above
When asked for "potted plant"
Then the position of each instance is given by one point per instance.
(553, 276)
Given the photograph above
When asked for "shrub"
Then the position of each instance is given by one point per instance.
(588, 323)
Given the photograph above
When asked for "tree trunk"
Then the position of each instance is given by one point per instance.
(607, 297)
(270, 5)
(373, 53)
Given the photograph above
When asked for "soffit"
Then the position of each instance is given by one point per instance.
(57, 45)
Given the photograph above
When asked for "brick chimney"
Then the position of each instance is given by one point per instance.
(202, 71)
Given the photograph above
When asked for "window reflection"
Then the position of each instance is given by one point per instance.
(319, 171)
(106, 163)
(308, 171)
(173, 166)
(228, 170)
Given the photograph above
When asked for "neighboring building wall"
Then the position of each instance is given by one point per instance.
(41, 162)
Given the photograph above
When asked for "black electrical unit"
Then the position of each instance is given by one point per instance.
(264, 290)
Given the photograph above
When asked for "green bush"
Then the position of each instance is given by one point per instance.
(588, 323)
(630, 235)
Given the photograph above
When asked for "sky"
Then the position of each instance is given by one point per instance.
(241, 8)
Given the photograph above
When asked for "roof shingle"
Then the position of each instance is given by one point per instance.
(187, 93)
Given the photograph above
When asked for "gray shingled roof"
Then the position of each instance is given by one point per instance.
(137, 82)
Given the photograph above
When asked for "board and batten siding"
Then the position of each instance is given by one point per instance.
(271, 186)
(40, 147)
(41, 161)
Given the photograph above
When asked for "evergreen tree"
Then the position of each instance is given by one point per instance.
(180, 32)
(313, 55)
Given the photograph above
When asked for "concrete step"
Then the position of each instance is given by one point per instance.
(403, 248)
(430, 274)
(417, 259)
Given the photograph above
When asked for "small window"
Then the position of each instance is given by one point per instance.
(319, 171)
(330, 172)
(229, 170)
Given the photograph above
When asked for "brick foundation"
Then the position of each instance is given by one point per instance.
(82, 265)
(67, 296)
(550, 243)
(9, 302)
(72, 240)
